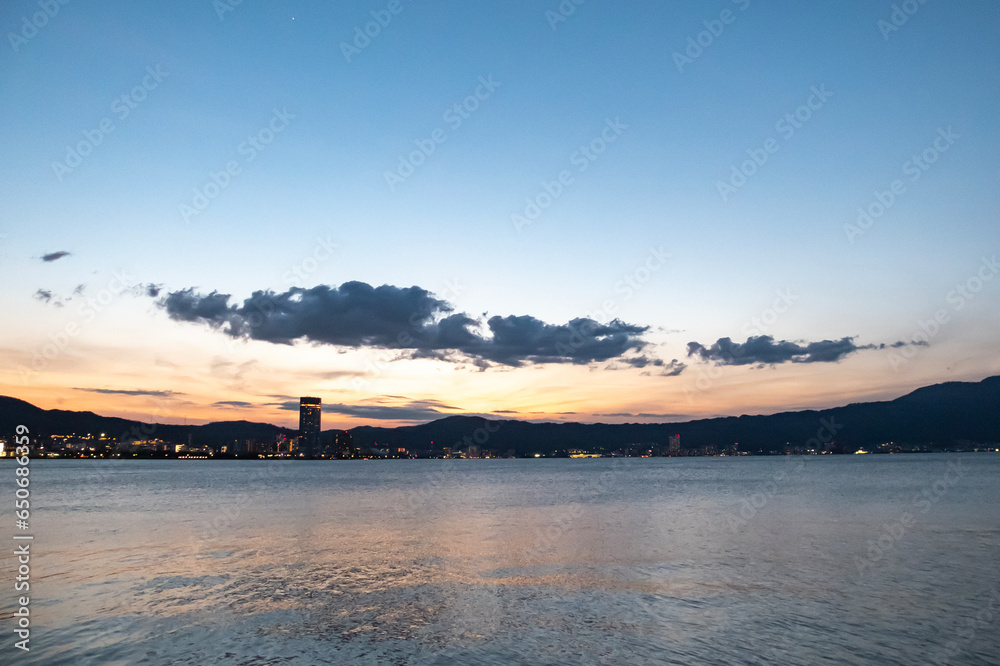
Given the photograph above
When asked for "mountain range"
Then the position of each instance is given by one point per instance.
(941, 416)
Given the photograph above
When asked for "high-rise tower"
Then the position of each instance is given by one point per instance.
(309, 425)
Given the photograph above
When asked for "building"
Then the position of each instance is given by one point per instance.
(309, 425)
(343, 445)
(675, 445)
(284, 444)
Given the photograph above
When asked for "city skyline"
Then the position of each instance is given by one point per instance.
(956, 416)
(551, 212)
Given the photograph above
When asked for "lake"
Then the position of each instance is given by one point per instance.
(752, 560)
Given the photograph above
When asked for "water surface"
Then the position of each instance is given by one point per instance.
(759, 560)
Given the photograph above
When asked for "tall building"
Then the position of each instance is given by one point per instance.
(675, 445)
(309, 425)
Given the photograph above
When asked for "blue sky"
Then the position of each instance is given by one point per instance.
(221, 78)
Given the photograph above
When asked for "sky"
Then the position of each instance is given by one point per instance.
(577, 210)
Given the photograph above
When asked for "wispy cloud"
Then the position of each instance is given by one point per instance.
(643, 415)
(663, 368)
(386, 408)
(158, 394)
(43, 295)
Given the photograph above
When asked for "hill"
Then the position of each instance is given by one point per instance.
(941, 416)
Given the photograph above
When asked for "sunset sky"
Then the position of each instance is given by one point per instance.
(639, 212)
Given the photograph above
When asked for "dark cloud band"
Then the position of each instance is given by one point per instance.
(765, 350)
(411, 318)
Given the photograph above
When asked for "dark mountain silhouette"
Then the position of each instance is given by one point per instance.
(61, 422)
(940, 416)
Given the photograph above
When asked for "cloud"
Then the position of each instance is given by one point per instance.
(582, 340)
(184, 305)
(644, 415)
(671, 369)
(409, 319)
(236, 375)
(53, 256)
(58, 300)
(158, 394)
(384, 408)
(334, 374)
(901, 343)
(414, 411)
(238, 404)
(764, 350)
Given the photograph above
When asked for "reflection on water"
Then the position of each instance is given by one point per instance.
(658, 561)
